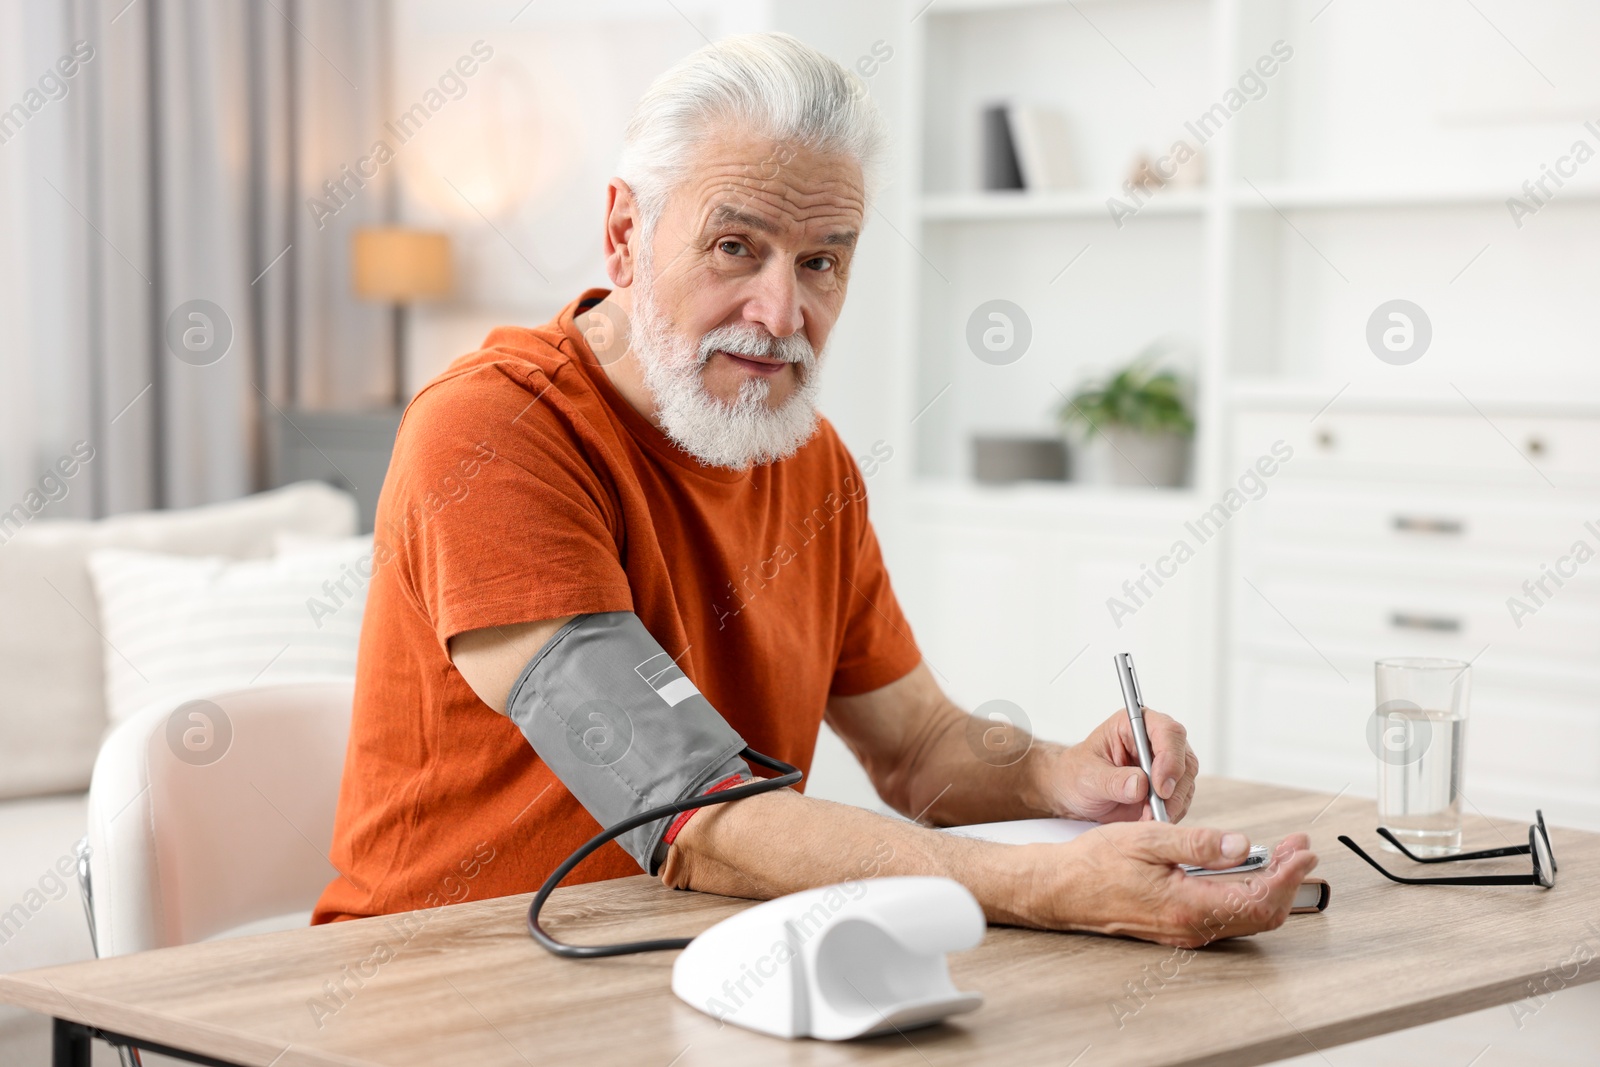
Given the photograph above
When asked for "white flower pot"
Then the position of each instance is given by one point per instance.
(1120, 456)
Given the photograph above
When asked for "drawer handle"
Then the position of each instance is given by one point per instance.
(1419, 524)
(1403, 621)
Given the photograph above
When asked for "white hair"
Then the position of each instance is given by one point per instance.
(769, 84)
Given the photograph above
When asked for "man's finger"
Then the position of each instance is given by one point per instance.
(1121, 785)
(1182, 797)
(1169, 745)
(1292, 847)
(1199, 845)
(1259, 901)
(1292, 861)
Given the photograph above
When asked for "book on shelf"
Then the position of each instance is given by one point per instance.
(1026, 146)
(1044, 149)
(1000, 169)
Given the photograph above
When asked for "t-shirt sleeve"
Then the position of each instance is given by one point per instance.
(878, 647)
(503, 513)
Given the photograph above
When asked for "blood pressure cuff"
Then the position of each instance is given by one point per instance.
(624, 729)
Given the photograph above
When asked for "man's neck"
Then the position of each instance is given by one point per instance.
(607, 329)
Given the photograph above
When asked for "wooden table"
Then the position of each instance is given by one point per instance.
(464, 984)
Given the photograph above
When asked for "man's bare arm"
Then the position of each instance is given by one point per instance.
(1118, 879)
(918, 749)
(491, 659)
(931, 761)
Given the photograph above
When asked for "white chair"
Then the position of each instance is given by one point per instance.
(214, 819)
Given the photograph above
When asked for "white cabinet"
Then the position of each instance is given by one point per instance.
(1478, 539)
(1007, 592)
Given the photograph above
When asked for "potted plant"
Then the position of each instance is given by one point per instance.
(1136, 425)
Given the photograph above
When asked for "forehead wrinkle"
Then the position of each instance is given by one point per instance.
(796, 193)
(737, 181)
(726, 215)
(800, 213)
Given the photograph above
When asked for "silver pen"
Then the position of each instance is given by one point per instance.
(1141, 739)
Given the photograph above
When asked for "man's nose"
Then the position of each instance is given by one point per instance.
(775, 303)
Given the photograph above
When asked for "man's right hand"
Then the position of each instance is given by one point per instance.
(1123, 879)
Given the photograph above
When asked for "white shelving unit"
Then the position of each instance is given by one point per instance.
(979, 207)
(1352, 198)
(1374, 163)
(1008, 587)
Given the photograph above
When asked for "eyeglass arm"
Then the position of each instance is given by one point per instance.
(1476, 879)
(1482, 854)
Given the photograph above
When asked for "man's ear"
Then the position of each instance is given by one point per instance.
(621, 232)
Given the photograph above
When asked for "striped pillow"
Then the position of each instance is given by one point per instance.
(178, 628)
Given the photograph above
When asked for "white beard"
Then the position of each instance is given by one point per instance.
(733, 435)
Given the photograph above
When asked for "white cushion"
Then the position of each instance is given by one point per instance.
(179, 628)
(293, 543)
(52, 689)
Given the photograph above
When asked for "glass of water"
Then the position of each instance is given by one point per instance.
(1418, 732)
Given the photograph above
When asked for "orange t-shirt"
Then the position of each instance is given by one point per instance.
(523, 487)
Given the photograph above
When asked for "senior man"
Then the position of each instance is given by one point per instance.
(646, 479)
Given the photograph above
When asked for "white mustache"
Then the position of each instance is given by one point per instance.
(747, 339)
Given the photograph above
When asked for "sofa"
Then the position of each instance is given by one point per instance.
(53, 711)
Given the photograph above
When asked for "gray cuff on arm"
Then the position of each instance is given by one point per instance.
(624, 729)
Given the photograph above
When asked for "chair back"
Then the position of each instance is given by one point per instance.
(216, 815)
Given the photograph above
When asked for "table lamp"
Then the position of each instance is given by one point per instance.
(400, 266)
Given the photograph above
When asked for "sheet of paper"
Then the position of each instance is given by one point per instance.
(1024, 831)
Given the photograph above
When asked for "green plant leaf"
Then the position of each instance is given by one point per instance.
(1138, 396)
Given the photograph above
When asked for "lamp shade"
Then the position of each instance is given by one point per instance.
(399, 265)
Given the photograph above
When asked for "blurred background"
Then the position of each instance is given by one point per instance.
(1256, 338)
(1322, 273)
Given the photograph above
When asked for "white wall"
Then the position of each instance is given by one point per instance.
(516, 169)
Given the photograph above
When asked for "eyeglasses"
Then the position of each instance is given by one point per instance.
(1538, 846)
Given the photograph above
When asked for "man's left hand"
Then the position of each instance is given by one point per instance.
(1099, 778)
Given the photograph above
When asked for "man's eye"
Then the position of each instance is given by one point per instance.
(733, 248)
(820, 263)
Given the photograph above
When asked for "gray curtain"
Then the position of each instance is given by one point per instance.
(176, 168)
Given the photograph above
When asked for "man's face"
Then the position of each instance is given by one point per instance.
(757, 242)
